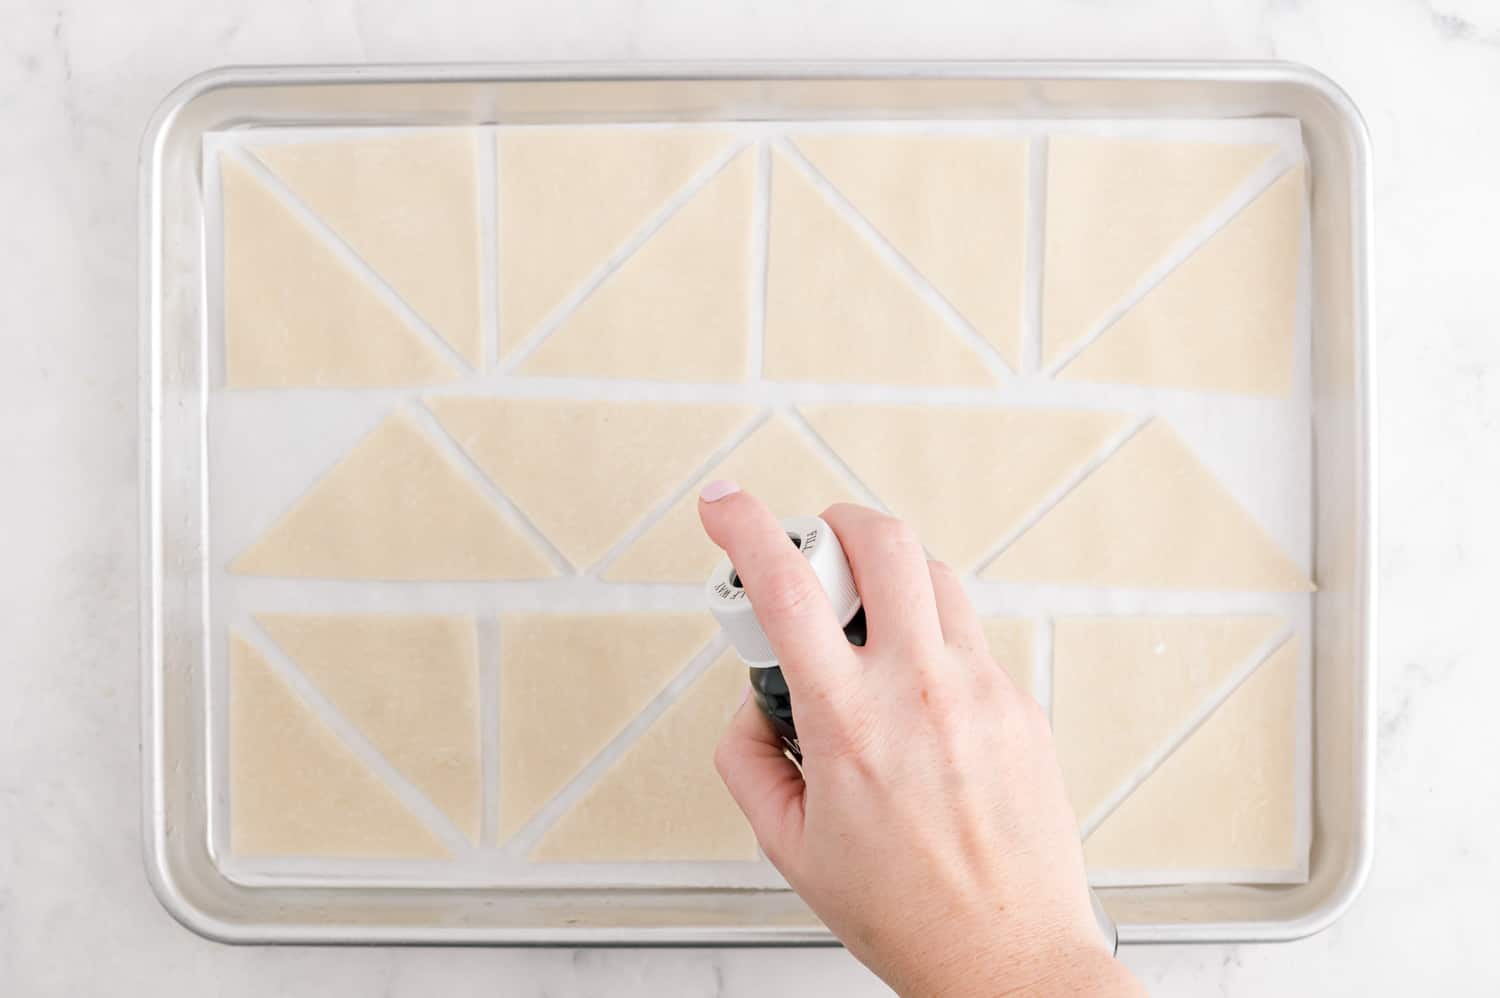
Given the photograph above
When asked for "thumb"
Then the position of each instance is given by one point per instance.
(763, 782)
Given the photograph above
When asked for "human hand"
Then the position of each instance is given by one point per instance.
(928, 828)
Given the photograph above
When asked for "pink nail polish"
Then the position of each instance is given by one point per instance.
(716, 490)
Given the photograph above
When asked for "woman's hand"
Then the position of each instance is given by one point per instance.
(929, 828)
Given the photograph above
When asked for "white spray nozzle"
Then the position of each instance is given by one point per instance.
(731, 604)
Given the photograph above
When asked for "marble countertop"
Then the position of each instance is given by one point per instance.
(78, 79)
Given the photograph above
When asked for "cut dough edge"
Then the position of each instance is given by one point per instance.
(662, 800)
(677, 309)
(1149, 839)
(1173, 185)
(775, 462)
(360, 521)
(1222, 320)
(961, 180)
(966, 478)
(1199, 537)
(579, 207)
(837, 311)
(410, 685)
(422, 252)
(548, 733)
(1012, 643)
(297, 789)
(1125, 687)
(586, 473)
(296, 315)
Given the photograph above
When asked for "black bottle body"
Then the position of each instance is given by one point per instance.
(775, 700)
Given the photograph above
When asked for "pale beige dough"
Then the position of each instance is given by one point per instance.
(1115, 207)
(678, 309)
(837, 312)
(953, 205)
(409, 206)
(1222, 321)
(663, 800)
(1124, 687)
(586, 472)
(409, 684)
(966, 478)
(1010, 641)
(295, 789)
(395, 508)
(297, 316)
(1226, 799)
(569, 683)
(1151, 517)
(775, 463)
(569, 198)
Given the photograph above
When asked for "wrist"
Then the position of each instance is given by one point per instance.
(1010, 969)
(1082, 970)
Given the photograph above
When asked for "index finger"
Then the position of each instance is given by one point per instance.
(788, 600)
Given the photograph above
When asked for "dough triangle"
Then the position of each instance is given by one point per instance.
(1011, 641)
(295, 789)
(570, 197)
(295, 315)
(679, 308)
(663, 800)
(409, 206)
(837, 312)
(953, 205)
(409, 684)
(394, 508)
(1151, 517)
(1122, 687)
(569, 683)
(586, 472)
(775, 463)
(1226, 800)
(1222, 321)
(965, 478)
(1115, 207)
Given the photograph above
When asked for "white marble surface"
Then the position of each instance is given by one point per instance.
(77, 80)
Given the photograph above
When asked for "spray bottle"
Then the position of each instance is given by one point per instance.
(730, 605)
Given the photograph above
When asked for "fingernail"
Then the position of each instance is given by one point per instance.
(746, 696)
(716, 490)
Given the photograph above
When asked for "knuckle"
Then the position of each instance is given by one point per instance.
(967, 658)
(938, 700)
(784, 594)
(895, 534)
(986, 675)
(957, 741)
(840, 509)
(1012, 709)
(930, 680)
(1031, 712)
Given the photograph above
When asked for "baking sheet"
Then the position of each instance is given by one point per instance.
(265, 447)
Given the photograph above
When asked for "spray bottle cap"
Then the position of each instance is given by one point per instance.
(731, 605)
